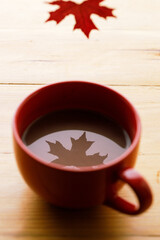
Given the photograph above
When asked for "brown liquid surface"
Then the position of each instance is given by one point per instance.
(76, 138)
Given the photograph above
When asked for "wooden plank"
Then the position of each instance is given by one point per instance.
(24, 215)
(118, 57)
(126, 50)
(139, 15)
(145, 99)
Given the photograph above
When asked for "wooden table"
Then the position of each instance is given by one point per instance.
(125, 55)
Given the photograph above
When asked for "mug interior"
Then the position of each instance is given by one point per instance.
(78, 95)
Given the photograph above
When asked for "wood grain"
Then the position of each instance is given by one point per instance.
(125, 51)
(125, 55)
(120, 58)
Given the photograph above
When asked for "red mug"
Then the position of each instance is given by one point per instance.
(84, 186)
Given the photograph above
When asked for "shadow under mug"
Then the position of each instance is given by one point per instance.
(84, 186)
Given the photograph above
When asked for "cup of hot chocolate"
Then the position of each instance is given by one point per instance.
(76, 144)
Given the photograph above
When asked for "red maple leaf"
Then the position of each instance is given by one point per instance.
(81, 12)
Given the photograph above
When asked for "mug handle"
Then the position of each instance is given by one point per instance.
(141, 189)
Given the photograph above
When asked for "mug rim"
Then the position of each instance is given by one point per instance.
(98, 167)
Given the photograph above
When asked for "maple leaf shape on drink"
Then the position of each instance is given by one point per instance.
(77, 155)
(81, 12)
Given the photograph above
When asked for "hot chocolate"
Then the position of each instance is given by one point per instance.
(76, 138)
